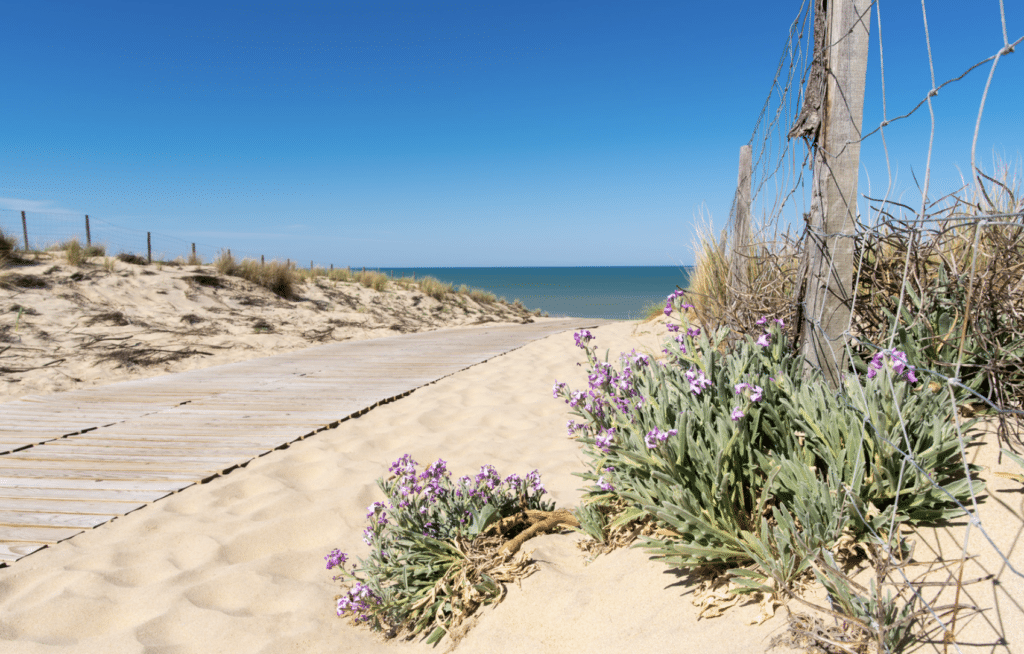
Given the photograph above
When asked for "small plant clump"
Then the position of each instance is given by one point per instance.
(740, 461)
(439, 548)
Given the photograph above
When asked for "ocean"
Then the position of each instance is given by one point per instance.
(614, 292)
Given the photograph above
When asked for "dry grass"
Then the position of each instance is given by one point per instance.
(483, 297)
(374, 279)
(77, 255)
(435, 288)
(8, 246)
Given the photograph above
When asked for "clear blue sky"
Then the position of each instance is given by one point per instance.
(441, 133)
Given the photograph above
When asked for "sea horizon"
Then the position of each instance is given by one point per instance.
(610, 292)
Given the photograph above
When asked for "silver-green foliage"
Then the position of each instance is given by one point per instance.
(780, 482)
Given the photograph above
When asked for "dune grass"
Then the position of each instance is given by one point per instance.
(8, 246)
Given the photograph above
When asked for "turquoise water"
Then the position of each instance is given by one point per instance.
(616, 292)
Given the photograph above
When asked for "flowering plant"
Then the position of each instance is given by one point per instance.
(740, 456)
(429, 565)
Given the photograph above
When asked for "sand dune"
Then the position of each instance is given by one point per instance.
(64, 327)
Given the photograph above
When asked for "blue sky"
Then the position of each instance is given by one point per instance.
(448, 134)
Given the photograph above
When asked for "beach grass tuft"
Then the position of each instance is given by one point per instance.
(435, 288)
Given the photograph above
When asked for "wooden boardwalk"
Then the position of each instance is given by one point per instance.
(73, 461)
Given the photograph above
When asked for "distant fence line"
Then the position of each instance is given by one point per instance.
(39, 230)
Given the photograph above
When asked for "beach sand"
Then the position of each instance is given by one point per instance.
(237, 564)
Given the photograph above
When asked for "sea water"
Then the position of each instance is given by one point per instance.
(616, 292)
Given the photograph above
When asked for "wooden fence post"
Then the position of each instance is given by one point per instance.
(262, 262)
(832, 222)
(88, 234)
(740, 256)
(24, 229)
(193, 251)
(149, 246)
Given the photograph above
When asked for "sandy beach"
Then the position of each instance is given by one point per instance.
(237, 564)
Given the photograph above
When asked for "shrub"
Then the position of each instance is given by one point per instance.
(132, 258)
(374, 279)
(225, 263)
(742, 459)
(433, 559)
(340, 274)
(74, 253)
(277, 277)
(195, 259)
(435, 288)
(483, 297)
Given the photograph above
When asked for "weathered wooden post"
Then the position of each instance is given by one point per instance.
(739, 258)
(262, 262)
(193, 252)
(149, 246)
(841, 52)
(88, 234)
(24, 229)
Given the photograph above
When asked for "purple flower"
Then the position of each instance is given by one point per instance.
(405, 466)
(756, 393)
(693, 332)
(336, 559)
(582, 338)
(780, 322)
(750, 391)
(656, 437)
(559, 386)
(737, 414)
(898, 362)
(764, 340)
(359, 600)
(604, 485)
(604, 441)
(672, 327)
(698, 381)
(762, 320)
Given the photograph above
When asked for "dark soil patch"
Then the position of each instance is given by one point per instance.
(17, 280)
(148, 272)
(132, 258)
(147, 356)
(77, 277)
(261, 325)
(205, 280)
(252, 301)
(26, 311)
(191, 319)
(111, 317)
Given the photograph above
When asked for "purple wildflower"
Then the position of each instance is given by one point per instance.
(582, 338)
(336, 559)
(737, 414)
(656, 437)
(762, 320)
(698, 380)
(693, 332)
(604, 485)
(764, 340)
(558, 388)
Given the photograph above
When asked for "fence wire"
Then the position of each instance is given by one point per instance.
(941, 280)
(54, 230)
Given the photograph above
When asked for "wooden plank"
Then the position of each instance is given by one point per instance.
(13, 551)
(38, 455)
(36, 519)
(81, 507)
(178, 442)
(82, 494)
(86, 473)
(94, 484)
(48, 535)
(203, 451)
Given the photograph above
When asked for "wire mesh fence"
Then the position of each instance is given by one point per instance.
(44, 230)
(933, 287)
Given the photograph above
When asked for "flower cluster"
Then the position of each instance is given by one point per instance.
(426, 505)
(895, 360)
(656, 437)
(359, 601)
